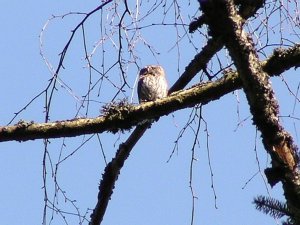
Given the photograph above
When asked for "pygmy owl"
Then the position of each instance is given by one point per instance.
(152, 83)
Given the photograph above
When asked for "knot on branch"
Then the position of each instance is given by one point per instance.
(22, 124)
(117, 110)
(197, 23)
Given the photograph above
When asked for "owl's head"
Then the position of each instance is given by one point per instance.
(154, 70)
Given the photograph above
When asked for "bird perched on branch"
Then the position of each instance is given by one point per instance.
(152, 83)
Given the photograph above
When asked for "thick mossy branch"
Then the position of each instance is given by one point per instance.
(123, 116)
(282, 59)
(247, 8)
(225, 22)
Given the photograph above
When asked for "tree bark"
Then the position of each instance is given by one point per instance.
(225, 22)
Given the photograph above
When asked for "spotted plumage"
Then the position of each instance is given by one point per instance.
(152, 83)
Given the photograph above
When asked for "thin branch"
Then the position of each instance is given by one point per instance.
(62, 57)
(111, 173)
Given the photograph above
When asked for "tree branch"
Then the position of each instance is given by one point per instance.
(224, 21)
(125, 117)
(111, 173)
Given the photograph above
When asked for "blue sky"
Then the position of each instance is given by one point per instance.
(149, 190)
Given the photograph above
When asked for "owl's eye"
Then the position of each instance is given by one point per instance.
(143, 71)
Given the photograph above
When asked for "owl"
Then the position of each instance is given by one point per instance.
(152, 83)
